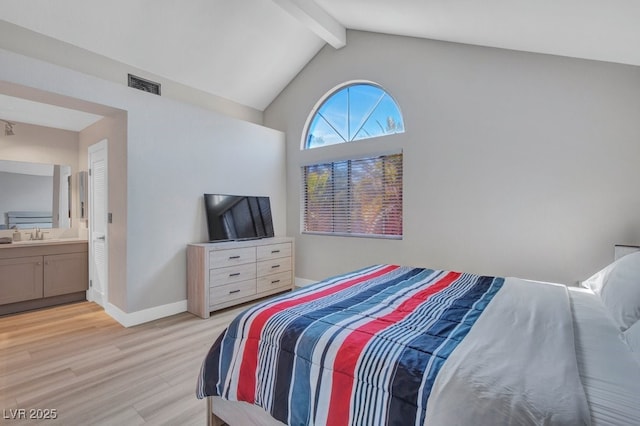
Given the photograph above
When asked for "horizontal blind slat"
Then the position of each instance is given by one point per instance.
(360, 196)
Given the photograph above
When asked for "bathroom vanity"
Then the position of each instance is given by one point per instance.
(36, 274)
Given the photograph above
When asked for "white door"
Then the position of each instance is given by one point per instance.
(98, 238)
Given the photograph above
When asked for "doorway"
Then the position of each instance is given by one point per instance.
(98, 232)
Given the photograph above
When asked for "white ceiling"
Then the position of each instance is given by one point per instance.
(21, 110)
(249, 50)
(606, 30)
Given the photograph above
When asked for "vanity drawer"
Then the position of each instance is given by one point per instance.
(232, 291)
(231, 274)
(280, 280)
(273, 251)
(273, 266)
(238, 256)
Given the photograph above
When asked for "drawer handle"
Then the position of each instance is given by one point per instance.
(275, 251)
(275, 281)
(275, 266)
(234, 274)
(234, 291)
(234, 257)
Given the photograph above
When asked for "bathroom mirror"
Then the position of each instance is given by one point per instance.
(34, 194)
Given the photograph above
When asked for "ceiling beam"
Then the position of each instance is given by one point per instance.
(317, 20)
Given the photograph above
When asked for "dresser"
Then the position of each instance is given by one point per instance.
(224, 274)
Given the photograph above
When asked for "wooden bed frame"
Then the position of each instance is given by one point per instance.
(212, 419)
(222, 412)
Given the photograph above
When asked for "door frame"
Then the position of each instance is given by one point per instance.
(91, 295)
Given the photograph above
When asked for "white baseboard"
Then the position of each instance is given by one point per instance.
(129, 319)
(301, 282)
(94, 296)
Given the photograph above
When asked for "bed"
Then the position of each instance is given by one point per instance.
(401, 345)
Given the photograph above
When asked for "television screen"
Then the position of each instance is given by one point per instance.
(238, 217)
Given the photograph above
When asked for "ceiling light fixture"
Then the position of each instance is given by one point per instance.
(8, 127)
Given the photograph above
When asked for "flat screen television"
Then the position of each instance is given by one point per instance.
(238, 217)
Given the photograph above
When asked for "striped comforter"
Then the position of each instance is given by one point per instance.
(361, 348)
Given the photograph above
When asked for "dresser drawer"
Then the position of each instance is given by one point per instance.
(231, 274)
(273, 266)
(223, 258)
(220, 275)
(279, 280)
(273, 251)
(232, 291)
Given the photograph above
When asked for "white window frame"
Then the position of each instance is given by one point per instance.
(358, 149)
(329, 94)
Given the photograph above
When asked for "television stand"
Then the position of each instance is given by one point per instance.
(224, 274)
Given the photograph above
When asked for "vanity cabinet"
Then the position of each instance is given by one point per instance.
(65, 273)
(21, 279)
(42, 274)
(224, 274)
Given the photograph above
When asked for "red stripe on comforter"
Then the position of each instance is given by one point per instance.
(248, 368)
(350, 350)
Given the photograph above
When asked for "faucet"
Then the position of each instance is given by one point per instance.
(37, 234)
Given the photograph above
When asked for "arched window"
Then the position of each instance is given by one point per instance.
(362, 195)
(353, 112)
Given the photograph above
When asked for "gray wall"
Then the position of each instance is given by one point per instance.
(169, 153)
(515, 163)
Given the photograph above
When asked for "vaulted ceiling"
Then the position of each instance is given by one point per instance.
(247, 51)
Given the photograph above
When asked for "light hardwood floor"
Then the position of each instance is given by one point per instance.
(92, 371)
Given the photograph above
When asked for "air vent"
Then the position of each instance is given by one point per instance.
(145, 85)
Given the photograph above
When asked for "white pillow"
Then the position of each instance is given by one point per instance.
(618, 285)
(632, 337)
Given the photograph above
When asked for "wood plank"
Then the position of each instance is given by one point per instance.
(78, 360)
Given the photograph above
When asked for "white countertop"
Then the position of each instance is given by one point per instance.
(48, 241)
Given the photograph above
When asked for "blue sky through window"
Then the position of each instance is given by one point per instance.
(355, 112)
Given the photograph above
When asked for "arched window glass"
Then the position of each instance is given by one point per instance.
(361, 195)
(354, 112)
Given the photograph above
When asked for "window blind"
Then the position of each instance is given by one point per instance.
(359, 197)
